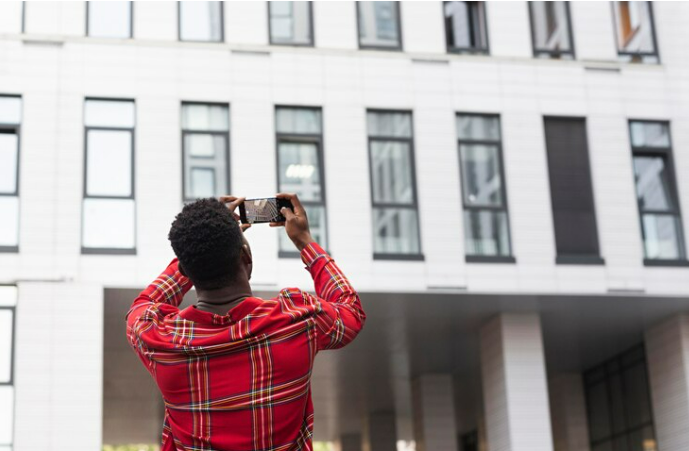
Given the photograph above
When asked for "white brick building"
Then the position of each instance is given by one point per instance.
(505, 289)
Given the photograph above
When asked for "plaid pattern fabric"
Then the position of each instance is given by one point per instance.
(241, 381)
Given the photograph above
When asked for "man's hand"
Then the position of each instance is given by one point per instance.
(296, 224)
(232, 203)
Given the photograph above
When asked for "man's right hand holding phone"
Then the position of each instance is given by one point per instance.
(296, 223)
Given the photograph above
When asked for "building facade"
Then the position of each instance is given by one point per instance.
(503, 182)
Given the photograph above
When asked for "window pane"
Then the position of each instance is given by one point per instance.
(6, 413)
(605, 446)
(290, 22)
(378, 24)
(5, 345)
(8, 162)
(652, 184)
(638, 397)
(650, 134)
(390, 124)
(465, 25)
(200, 21)
(634, 27)
(395, 231)
(599, 415)
(108, 223)
(392, 172)
(203, 146)
(550, 26)
(661, 236)
(202, 182)
(316, 215)
(10, 110)
(109, 19)
(643, 440)
(617, 406)
(109, 113)
(299, 170)
(205, 153)
(205, 117)
(486, 233)
(9, 225)
(109, 163)
(481, 180)
(298, 120)
(478, 127)
(8, 295)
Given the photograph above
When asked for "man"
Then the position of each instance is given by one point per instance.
(234, 370)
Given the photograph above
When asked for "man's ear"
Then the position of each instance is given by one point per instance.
(246, 255)
(181, 269)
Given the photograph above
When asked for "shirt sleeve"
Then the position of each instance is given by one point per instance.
(340, 317)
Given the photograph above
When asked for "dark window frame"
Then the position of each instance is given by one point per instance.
(132, 196)
(553, 53)
(415, 202)
(222, 26)
(312, 40)
(13, 129)
(656, 53)
(309, 138)
(184, 132)
(667, 154)
(503, 189)
(576, 259)
(400, 42)
(23, 18)
(467, 50)
(13, 357)
(607, 373)
(131, 22)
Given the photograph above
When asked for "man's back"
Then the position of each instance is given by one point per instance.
(241, 381)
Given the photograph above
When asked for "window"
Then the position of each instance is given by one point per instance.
(465, 27)
(393, 186)
(109, 19)
(635, 35)
(201, 21)
(205, 144)
(10, 120)
(8, 303)
(571, 192)
(290, 23)
(550, 30)
(656, 193)
(619, 404)
(486, 222)
(108, 223)
(379, 25)
(299, 140)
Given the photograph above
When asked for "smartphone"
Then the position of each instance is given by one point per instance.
(256, 211)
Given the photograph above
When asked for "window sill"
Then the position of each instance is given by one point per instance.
(579, 260)
(9, 249)
(399, 257)
(106, 251)
(490, 259)
(667, 263)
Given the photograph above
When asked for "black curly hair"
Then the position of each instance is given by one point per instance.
(207, 241)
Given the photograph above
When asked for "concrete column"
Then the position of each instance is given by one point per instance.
(434, 413)
(380, 432)
(515, 387)
(568, 408)
(667, 355)
(350, 442)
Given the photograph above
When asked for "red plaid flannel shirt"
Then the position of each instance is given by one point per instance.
(241, 381)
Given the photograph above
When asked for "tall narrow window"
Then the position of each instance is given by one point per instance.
(109, 19)
(636, 41)
(571, 192)
(656, 192)
(379, 25)
(299, 139)
(393, 186)
(486, 222)
(108, 224)
(205, 144)
(201, 21)
(10, 120)
(465, 27)
(550, 30)
(290, 23)
(8, 303)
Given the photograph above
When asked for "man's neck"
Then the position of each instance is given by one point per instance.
(222, 300)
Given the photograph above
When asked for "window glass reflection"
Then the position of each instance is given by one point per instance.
(200, 21)
(378, 24)
(290, 23)
(109, 19)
